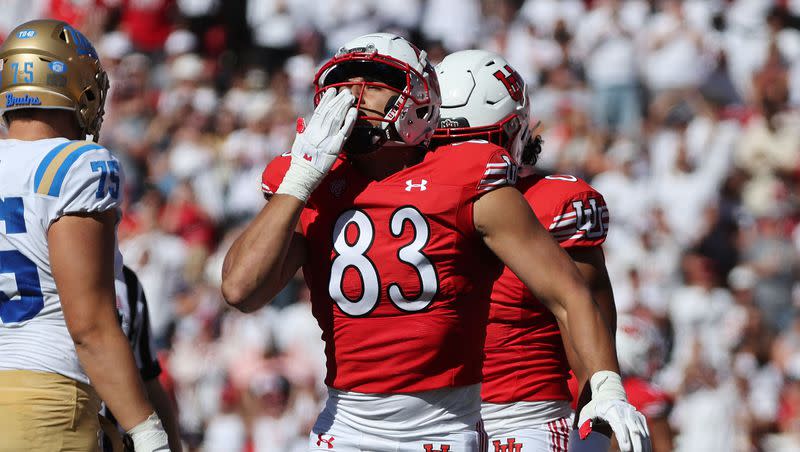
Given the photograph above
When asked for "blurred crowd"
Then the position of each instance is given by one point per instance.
(683, 114)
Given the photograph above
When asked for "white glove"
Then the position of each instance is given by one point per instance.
(149, 436)
(318, 143)
(610, 405)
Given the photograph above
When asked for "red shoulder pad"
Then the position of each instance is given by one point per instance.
(575, 213)
(273, 174)
(478, 165)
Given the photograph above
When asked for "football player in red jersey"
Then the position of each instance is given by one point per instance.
(641, 350)
(525, 393)
(394, 241)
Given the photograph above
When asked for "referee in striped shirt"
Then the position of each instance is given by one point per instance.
(134, 317)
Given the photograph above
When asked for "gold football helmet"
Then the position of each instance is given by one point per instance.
(49, 64)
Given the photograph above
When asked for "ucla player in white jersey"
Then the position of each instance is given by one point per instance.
(60, 342)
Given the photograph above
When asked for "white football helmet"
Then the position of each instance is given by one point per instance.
(388, 61)
(640, 347)
(483, 97)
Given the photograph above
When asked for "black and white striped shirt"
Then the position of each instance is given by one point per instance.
(133, 310)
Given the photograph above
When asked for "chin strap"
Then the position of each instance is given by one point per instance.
(363, 140)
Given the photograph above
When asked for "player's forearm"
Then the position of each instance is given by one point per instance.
(165, 411)
(591, 264)
(660, 434)
(588, 334)
(253, 270)
(81, 251)
(604, 297)
(561, 287)
(106, 357)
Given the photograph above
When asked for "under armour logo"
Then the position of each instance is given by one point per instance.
(429, 448)
(410, 185)
(510, 446)
(307, 157)
(321, 441)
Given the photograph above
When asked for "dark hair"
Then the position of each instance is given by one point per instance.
(25, 114)
(30, 114)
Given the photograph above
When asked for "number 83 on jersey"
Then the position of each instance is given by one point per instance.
(354, 234)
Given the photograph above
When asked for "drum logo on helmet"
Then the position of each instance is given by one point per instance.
(58, 67)
(512, 82)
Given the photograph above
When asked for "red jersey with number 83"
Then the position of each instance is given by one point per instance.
(525, 359)
(399, 278)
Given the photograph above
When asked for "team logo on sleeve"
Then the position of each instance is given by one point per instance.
(429, 448)
(587, 220)
(498, 174)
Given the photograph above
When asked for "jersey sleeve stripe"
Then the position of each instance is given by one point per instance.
(488, 184)
(564, 216)
(37, 179)
(57, 169)
(575, 227)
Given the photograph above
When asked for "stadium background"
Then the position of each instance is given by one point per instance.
(684, 114)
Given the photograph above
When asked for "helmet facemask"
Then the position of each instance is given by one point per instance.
(409, 115)
(502, 134)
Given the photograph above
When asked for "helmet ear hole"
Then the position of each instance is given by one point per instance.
(84, 110)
